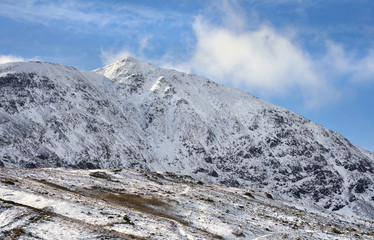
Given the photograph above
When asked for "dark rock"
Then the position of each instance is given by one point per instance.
(338, 207)
(86, 165)
(208, 159)
(100, 175)
(201, 170)
(230, 182)
(362, 185)
(213, 173)
(30, 165)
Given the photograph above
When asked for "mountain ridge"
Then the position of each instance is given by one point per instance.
(133, 114)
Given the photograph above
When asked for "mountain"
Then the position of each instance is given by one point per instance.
(137, 204)
(52, 115)
(134, 114)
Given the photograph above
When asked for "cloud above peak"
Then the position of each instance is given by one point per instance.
(10, 58)
(261, 60)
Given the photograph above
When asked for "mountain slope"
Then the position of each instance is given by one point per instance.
(51, 115)
(134, 114)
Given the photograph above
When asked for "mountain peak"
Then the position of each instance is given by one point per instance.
(128, 59)
(125, 66)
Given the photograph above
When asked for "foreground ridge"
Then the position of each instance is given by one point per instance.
(138, 204)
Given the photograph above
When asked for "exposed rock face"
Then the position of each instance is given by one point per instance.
(133, 114)
(52, 115)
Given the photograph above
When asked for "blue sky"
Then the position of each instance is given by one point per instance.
(313, 57)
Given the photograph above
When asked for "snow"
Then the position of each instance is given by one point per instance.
(134, 114)
(77, 204)
(157, 84)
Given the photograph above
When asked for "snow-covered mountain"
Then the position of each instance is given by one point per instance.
(134, 114)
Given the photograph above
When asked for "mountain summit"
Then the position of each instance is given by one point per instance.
(134, 114)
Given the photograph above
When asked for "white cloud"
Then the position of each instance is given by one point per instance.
(230, 13)
(109, 56)
(261, 60)
(341, 62)
(10, 58)
(365, 68)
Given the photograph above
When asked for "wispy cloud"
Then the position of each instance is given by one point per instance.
(359, 69)
(95, 13)
(10, 58)
(109, 56)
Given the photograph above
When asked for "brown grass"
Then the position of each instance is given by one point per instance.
(8, 181)
(153, 205)
(54, 185)
(134, 200)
